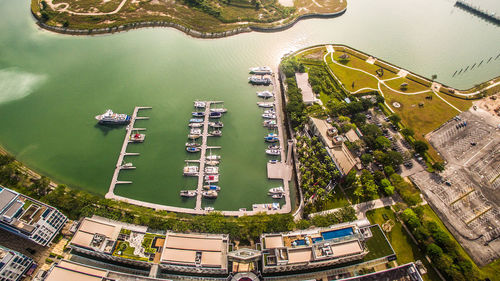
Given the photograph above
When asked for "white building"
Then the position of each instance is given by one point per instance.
(13, 265)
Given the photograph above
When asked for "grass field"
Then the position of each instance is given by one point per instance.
(348, 76)
(411, 88)
(377, 245)
(406, 250)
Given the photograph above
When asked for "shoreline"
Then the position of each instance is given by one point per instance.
(190, 32)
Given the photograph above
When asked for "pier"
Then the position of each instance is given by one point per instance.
(123, 152)
(488, 16)
(203, 152)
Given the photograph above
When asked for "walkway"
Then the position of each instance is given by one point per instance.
(63, 7)
(362, 208)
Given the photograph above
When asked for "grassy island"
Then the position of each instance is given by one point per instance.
(200, 18)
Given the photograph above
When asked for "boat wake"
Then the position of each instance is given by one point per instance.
(15, 84)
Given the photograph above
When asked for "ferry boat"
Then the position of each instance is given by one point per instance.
(212, 170)
(216, 133)
(212, 163)
(193, 137)
(188, 193)
(191, 171)
(192, 149)
(268, 116)
(265, 104)
(192, 144)
(200, 104)
(215, 115)
(136, 137)
(195, 125)
(195, 131)
(217, 124)
(220, 110)
(273, 152)
(265, 94)
(211, 194)
(278, 196)
(257, 80)
(261, 70)
(111, 118)
(212, 178)
(276, 190)
(213, 157)
(271, 139)
(198, 114)
(211, 187)
(196, 120)
(209, 209)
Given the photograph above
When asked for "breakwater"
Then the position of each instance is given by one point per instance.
(477, 11)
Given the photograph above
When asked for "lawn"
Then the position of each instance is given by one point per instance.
(128, 252)
(412, 85)
(348, 76)
(461, 104)
(377, 245)
(406, 250)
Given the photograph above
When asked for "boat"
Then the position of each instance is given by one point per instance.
(258, 80)
(269, 111)
(196, 120)
(271, 139)
(221, 110)
(242, 209)
(216, 133)
(212, 178)
(211, 170)
(212, 163)
(212, 194)
(198, 114)
(265, 94)
(274, 152)
(272, 135)
(193, 137)
(261, 70)
(136, 137)
(199, 104)
(217, 124)
(273, 161)
(209, 209)
(191, 171)
(278, 196)
(127, 166)
(265, 104)
(271, 124)
(188, 193)
(211, 187)
(195, 125)
(111, 118)
(192, 144)
(276, 190)
(192, 149)
(215, 115)
(213, 157)
(273, 146)
(195, 131)
(269, 116)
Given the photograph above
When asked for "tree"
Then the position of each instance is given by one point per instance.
(389, 170)
(44, 5)
(394, 118)
(408, 132)
(366, 158)
(382, 142)
(434, 251)
(420, 146)
(438, 166)
(411, 218)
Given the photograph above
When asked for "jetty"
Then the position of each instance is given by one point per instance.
(123, 152)
(203, 152)
(486, 15)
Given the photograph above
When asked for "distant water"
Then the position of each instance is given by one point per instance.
(51, 87)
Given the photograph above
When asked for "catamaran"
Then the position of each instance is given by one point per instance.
(261, 70)
(265, 94)
(111, 118)
(191, 171)
(136, 137)
(188, 193)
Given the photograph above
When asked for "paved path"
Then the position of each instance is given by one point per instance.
(63, 7)
(361, 208)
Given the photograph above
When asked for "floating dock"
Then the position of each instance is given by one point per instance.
(123, 152)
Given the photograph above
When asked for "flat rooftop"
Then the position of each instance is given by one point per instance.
(65, 271)
(303, 83)
(90, 227)
(183, 249)
(6, 196)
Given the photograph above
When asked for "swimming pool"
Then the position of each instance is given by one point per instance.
(300, 242)
(327, 235)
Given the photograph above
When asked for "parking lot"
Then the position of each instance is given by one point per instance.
(466, 194)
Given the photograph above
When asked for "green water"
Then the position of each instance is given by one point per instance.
(51, 87)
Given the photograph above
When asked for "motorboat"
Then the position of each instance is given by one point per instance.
(195, 131)
(211, 194)
(200, 104)
(192, 149)
(273, 146)
(195, 125)
(111, 118)
(276, 190)
(278, 196)
(265, 94)
(127, 166)
(198, 114)
(213, 157)
(221, 110)
(271, 139)
(217, 124)
(209, 209)
(188, 193)
(216, 133)
(191, 171)
(269, 123)
(196, 120)
(265, 104)
(211, 187)
(269, 111)
(272, 135)
(193, 137)
(273, 161)
(258, 80)
(212, 178)
(269, 116)
(136, 137)
(261, 70)
(192, 144)
(211, 170)
(215, 115)
(274, 152)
